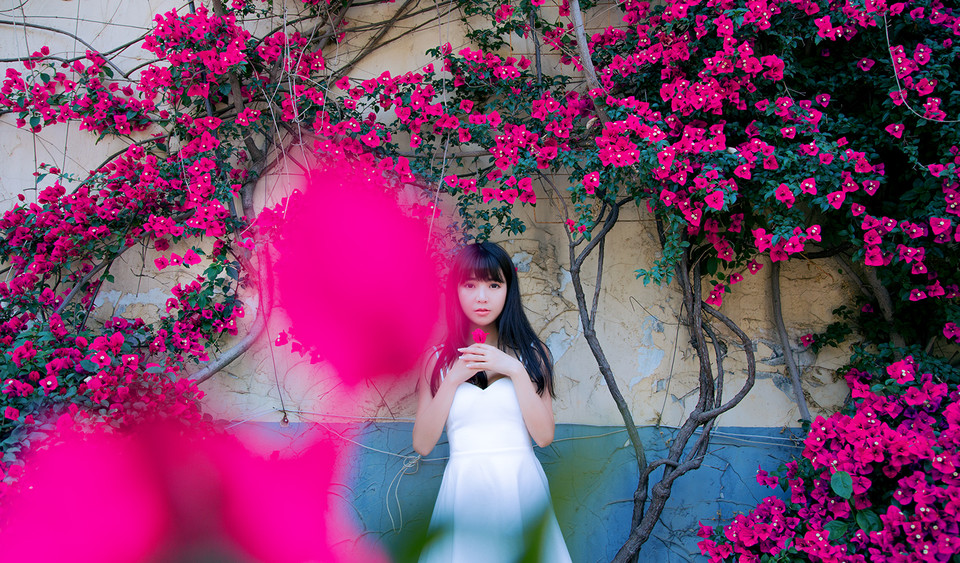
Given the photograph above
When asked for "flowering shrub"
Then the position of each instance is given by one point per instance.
(877, 482)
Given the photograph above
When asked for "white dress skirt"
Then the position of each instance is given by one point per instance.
(494, 501)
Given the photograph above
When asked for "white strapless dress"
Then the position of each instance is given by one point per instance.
(494, 501)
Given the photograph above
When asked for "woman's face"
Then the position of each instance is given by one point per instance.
(482, 301)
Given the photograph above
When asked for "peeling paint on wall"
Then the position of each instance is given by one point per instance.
(521, 261)
(649, 356)
(559, 342)
(564, 277)
(122, 299)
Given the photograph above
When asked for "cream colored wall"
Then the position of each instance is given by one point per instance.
(653, 361)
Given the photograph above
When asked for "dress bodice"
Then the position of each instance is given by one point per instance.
(486, 420)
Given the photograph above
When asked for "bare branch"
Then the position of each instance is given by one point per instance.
(785, 342)
(225, 359)
(68, 34)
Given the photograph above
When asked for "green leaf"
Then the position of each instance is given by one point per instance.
(711, 266)
(842, 484)
(837, 528)
(869, 521)
(89, 366)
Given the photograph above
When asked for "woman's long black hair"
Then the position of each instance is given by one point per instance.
(486, 261)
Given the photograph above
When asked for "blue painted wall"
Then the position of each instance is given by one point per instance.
(592, 477)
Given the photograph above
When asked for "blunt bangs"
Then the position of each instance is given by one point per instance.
(478, 264)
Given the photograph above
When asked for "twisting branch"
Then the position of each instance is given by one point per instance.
(649, 502)
(882, 296)
(785, 342)
(589, 331)
(749, 352)
(225, 359)
(589, 72)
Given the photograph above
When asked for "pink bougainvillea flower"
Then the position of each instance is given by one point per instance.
(865, 64)
(902, 371)
(736, 223)
(809, 186)
(835, 199)
(873, 256)
(479, 336)
(761, 239)
(716, 295)
(766, 479)
(895, 129)
(491, 193)
(667, 197)
(715, 200)
(898, 97)
(806, 339)
(371, 139)
(190, 257)
(951, 331)
(940, 225)
(784, 195)
(161, 262)
(591, 181)
(926, 86)
(11, 413)
(753, 266)
(49, 383)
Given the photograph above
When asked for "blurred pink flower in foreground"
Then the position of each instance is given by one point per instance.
(354, 275)
(159, 495)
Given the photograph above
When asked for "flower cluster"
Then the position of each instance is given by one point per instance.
(879, 483)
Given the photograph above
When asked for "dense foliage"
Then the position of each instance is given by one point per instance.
(877, 482)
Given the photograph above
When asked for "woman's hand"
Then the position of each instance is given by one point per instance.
(483, 357)
(459, 372)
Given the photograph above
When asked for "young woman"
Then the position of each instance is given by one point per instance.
(491, 384)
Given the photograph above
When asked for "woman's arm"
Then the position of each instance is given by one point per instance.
(432, 410)
(537, 409)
